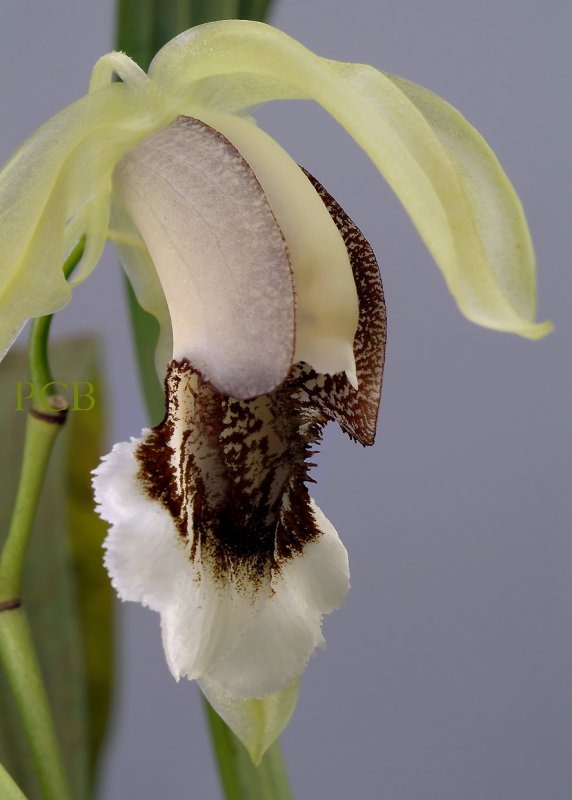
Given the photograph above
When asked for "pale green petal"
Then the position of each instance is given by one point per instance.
(496, 210)
(142, 274)
(62, 172)
(34, 289)
(257, 722)
(437, 165)
(96, 222)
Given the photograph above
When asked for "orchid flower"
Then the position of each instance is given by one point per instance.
(272, 323)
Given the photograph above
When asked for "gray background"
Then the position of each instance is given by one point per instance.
(448, 672)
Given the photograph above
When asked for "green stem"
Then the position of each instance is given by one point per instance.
(44, 423)
(16, 647)
(9, 790)
(39, 364)
(23, 673)
(40, 438)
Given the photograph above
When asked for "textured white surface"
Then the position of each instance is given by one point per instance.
(326, 299)
(249, 644)
(219, 254)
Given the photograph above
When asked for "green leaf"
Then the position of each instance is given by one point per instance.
(64, 579)
(254, 9)
(86, 534)
(210, 10)
(136, 30)
(144, 26)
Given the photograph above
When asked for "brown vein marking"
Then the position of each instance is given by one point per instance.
(233, 473)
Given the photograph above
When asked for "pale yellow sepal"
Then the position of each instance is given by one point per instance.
(56, 188)
(446, 176)
(257, 722)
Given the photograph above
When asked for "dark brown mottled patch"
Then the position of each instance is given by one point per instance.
(356, 410)
(236, 469)
(233, 473)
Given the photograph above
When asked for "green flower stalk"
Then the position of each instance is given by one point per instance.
(272, 323)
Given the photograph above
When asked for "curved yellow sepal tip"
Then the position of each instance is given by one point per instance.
(538, 330)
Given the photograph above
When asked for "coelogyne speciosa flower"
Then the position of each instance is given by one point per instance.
(272, 323)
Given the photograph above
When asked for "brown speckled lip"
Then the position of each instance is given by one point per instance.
(233, 473)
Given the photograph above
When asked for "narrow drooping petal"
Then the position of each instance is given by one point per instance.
(57, 187)
(498, 217)
(455, 192)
